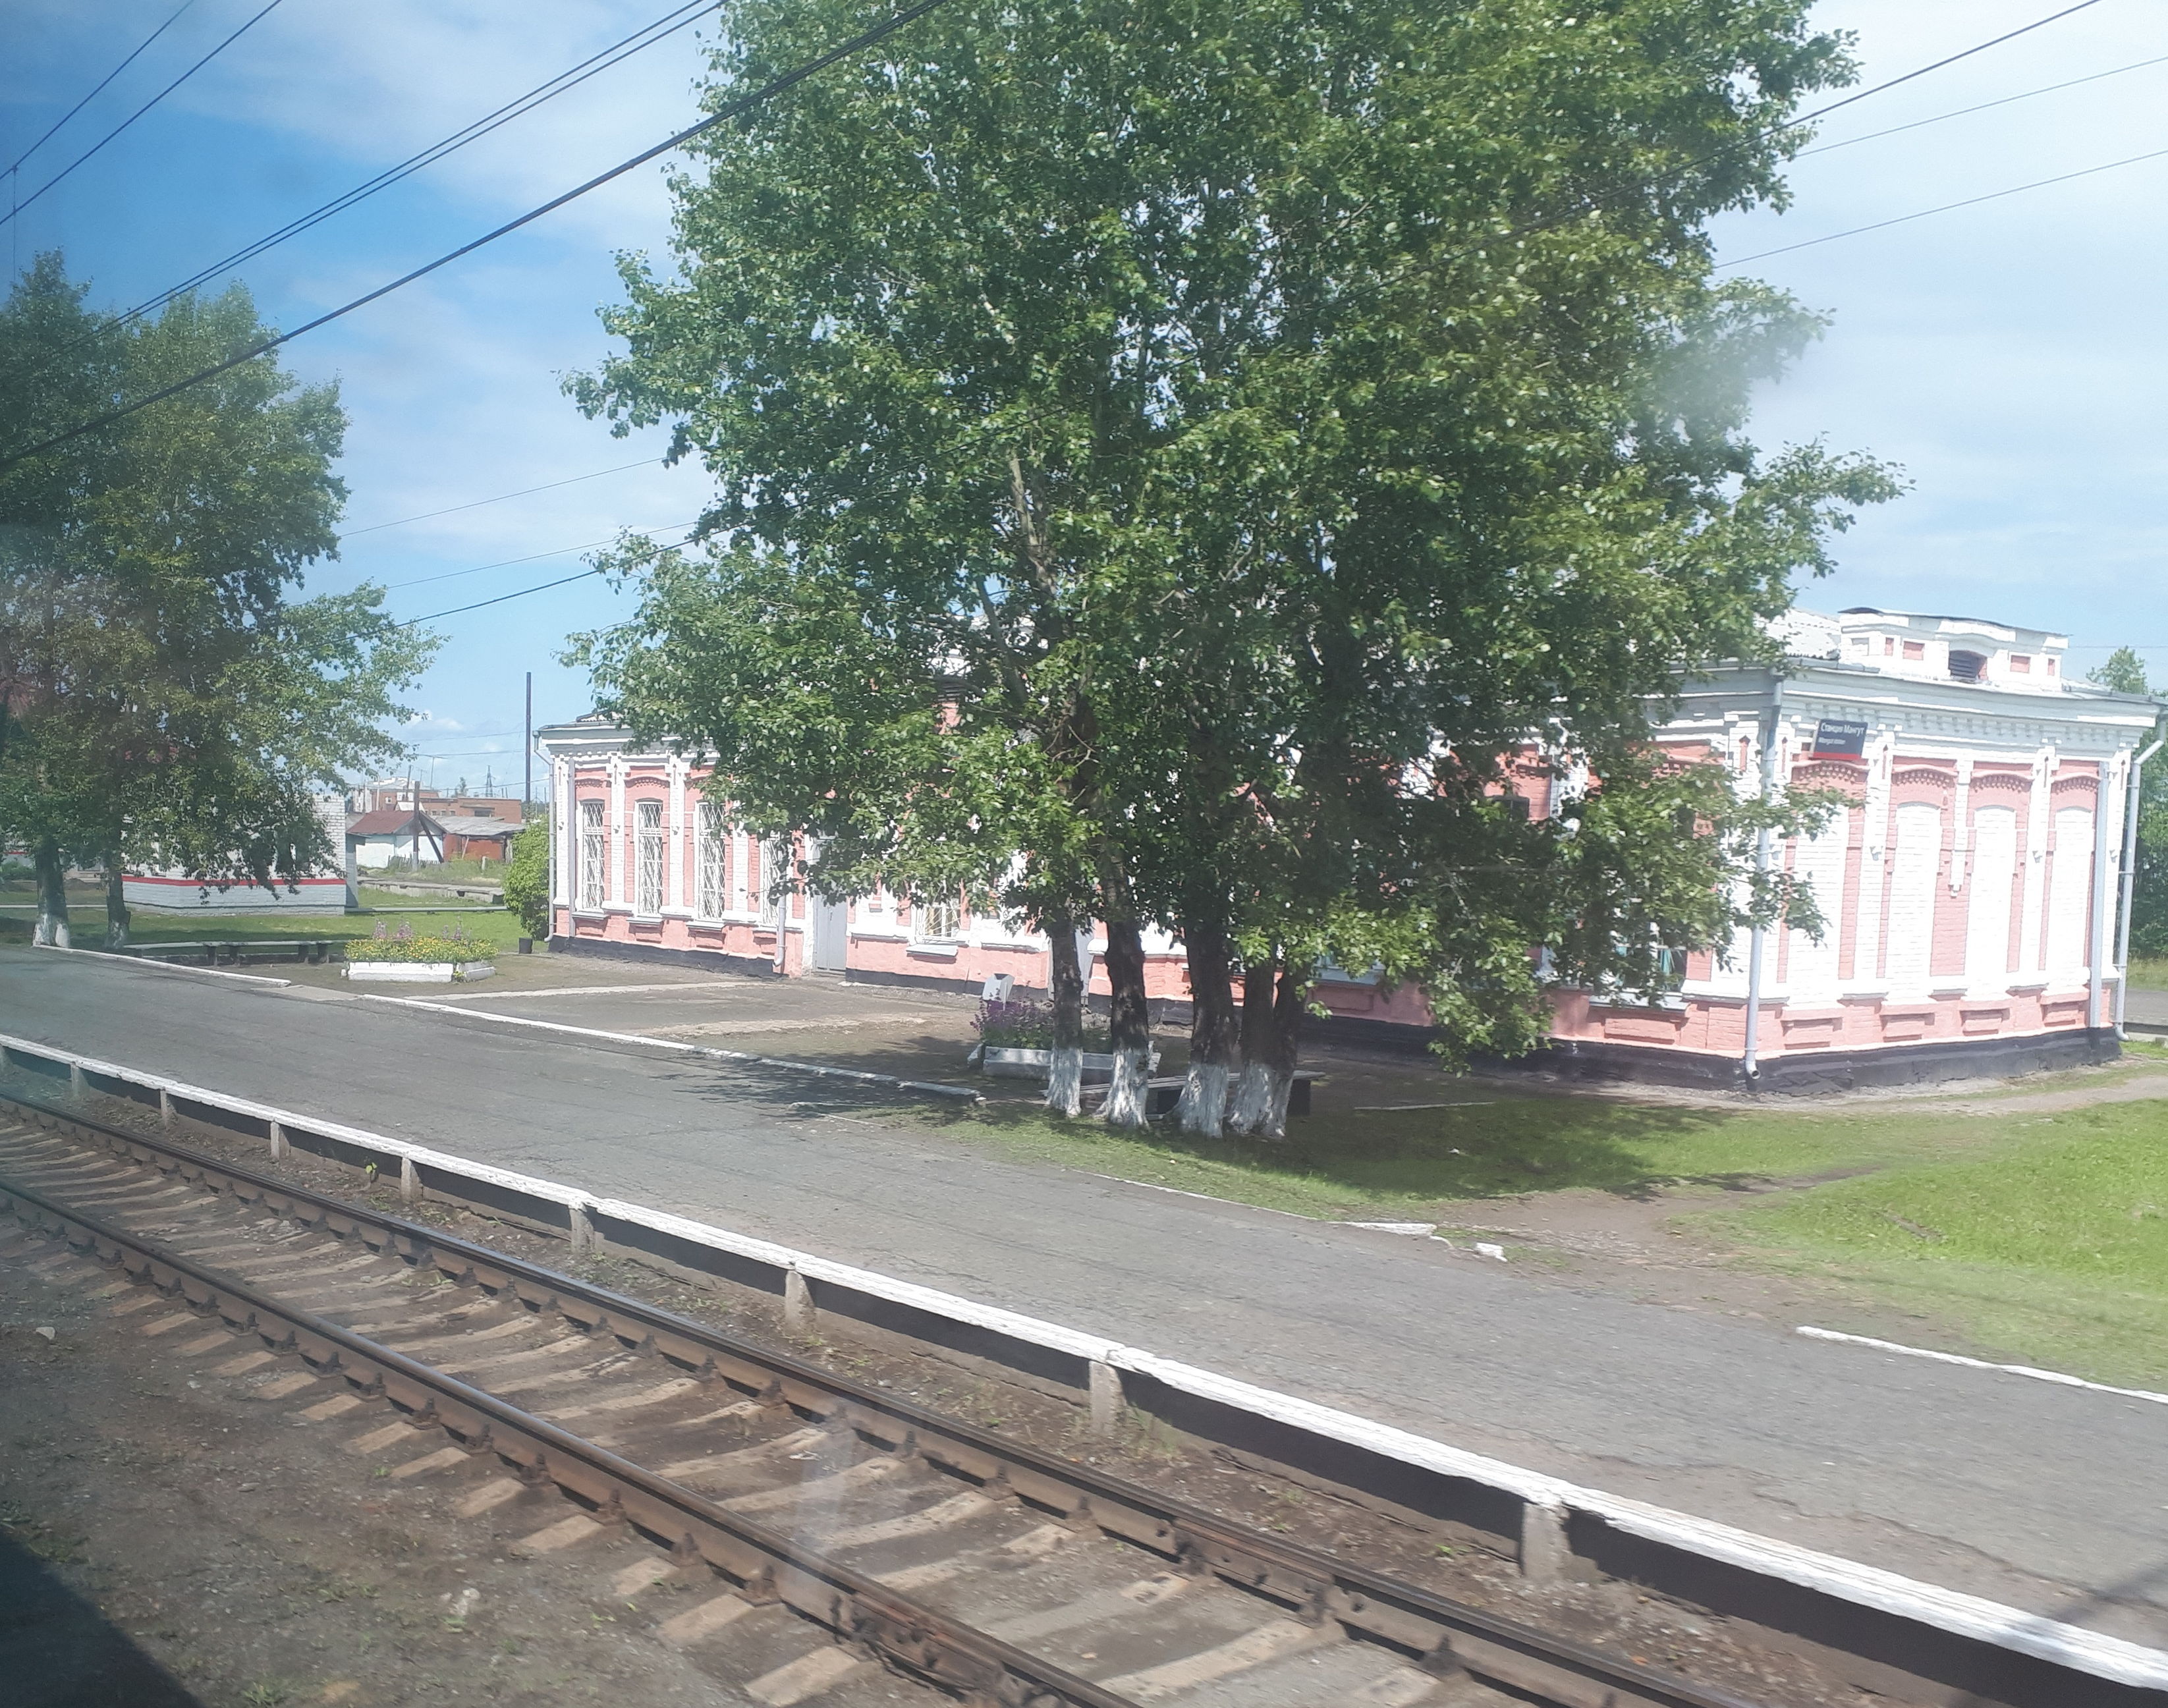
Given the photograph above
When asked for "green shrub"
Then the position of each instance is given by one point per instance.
(527, 877)
(456, 947)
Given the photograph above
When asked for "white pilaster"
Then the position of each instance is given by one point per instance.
(1961, 832)
(617, 832)
(673, 896)
(2037, 817)
(1874, 859)
(560, 832)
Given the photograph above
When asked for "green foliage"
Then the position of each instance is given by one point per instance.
(457, 945)
(2125, 672)
(526, 876)
(168, 702)
(1202, 447)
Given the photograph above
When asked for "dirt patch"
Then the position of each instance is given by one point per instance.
(216, 1553)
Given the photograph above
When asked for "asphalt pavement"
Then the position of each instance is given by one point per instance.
(2046, 1496)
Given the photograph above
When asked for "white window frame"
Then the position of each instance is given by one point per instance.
(928, 918)
(648, 866)
(774, 863)
(594, 854)
(712, 893)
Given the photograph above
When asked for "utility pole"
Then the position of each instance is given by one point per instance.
(527, 790)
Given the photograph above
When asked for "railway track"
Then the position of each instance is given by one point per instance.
(838, 1545)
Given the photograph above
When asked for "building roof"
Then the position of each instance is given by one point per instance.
(390, 821)
(475, 825)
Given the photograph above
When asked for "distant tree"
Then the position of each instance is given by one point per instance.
(2125, 672)
(526, 876)
(162, 698)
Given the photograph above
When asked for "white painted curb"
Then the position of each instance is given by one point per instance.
(1945, 1609)
(165, 966)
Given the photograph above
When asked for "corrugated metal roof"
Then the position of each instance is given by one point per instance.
(387, 821)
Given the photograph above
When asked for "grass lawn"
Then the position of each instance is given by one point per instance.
(2148, 975)
(2049, 1239)
(87, 922)
(2040, 1238)
(1429, 1165)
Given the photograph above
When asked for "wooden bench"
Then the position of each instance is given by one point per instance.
(1161, 1095)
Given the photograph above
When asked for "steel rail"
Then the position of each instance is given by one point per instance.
(767, 1565)
(1444, 1636)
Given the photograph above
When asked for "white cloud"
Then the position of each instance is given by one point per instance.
(2009, 355)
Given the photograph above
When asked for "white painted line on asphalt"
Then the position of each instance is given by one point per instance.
(166, 966)
(1209, 1198)
(2053, 1376)
(1404, 1108)
(739, 984)
(856, 1075)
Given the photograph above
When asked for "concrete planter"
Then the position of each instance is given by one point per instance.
(419, 972)
(1037, 1064)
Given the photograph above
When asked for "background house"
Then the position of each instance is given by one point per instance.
(377, 838)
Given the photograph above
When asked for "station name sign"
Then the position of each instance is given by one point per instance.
(1839, 738)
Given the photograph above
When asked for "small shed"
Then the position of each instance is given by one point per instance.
(469, 836)
(376, 839)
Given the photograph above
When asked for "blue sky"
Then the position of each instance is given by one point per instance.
(2008, 356)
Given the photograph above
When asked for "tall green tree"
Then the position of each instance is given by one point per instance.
(1150, 438)
(167, 700)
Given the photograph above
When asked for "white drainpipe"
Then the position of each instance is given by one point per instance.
(2129, 881)
(1750, 1060)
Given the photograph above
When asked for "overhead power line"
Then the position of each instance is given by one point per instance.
(54, 126)
(1983, 107)
(140, 112)
(766, 92)
(1949, 59)
(1528, 228)
(476, 504)
(1946, 207)
(532, 557)
(481, 604)
(655, 550)
(614, 54)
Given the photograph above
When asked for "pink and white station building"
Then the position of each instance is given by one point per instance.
(1971, 884)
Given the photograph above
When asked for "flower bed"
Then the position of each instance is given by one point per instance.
(1022, 1023)
(400, 957)
(455, 948)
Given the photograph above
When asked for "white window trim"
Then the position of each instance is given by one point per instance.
(649, 839)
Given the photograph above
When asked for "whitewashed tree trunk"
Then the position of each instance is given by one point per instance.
(1280, 1083)
(1065, 1081)
(52, 899)
(1253, 1099)
(1065, 1078)
(1204, 1107)
(116, 908)
(1126, 1096)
